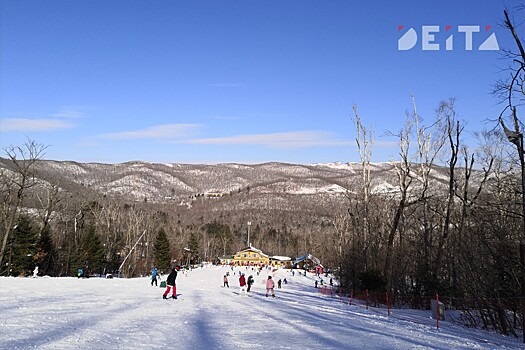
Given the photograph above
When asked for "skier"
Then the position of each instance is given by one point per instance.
(226, 281)
(250, 282)
(269, 286)
(154, 275)
(170, 283)
(279, 283)
(242, 283)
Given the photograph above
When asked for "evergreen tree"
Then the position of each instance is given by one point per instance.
(161, 250)
(193, 246)
(23, 248)
(45, 255)
(92, 252)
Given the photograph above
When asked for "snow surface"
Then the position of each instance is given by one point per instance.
(98, 313)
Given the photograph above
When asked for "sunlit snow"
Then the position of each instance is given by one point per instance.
(99, 313)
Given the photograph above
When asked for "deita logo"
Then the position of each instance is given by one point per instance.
(433, 39)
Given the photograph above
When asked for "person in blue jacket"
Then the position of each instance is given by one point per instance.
(154, 276)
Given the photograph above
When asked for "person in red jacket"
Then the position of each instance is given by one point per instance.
(270, 285)
(242, 284)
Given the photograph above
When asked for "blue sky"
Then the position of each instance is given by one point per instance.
(234, 81)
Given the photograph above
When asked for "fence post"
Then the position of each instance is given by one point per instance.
(387, 304)
(437, 311)
(367, 299)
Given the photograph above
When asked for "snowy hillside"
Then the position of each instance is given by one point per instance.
(136, 181)
(97, 313)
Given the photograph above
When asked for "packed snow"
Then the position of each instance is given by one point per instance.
(118, 313)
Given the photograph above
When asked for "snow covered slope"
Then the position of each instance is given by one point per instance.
(97, 313)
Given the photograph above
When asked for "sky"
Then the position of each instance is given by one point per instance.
(120, 313)
(237, 81)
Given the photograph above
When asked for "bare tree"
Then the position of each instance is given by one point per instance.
(15, 183)
(364, 141)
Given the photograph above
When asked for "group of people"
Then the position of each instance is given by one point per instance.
(170, 282)
(247, 284)
(243, 283)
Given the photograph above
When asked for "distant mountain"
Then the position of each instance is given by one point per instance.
(295, 208)
(182, 183)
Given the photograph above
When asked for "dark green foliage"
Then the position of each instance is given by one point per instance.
(92, 252)
(372, 280)
(193, 243)
(161, 250)
(23, 248)
(46, 254)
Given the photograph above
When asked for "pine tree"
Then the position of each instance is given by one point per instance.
(92, 251)
(45, 255)
(161, 250)
(193, 246)
(23, 247)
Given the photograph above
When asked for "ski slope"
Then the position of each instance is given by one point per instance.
(98, 313)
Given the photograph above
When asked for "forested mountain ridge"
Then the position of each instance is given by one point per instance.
(162, 183)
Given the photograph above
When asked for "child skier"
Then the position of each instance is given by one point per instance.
(154, 275)
(250, 282)
(226, 282)
(242, 283)
(270, 285)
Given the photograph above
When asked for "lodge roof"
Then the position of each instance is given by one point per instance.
(253, 249)
(308, 257)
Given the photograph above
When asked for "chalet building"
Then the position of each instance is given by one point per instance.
(250, 256)
(308, 262)
(281, 261)
(225, 260)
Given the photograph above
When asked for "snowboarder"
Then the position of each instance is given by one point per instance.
(270, 285)
(154, 275)
(226, 281)
(242, 283)
(250, 282)
(315, 284)
(170, 283)
(279, 283)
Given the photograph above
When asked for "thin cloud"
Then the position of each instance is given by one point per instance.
(293, 139)
(166, 131)
(70, 112)
(32, 125)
